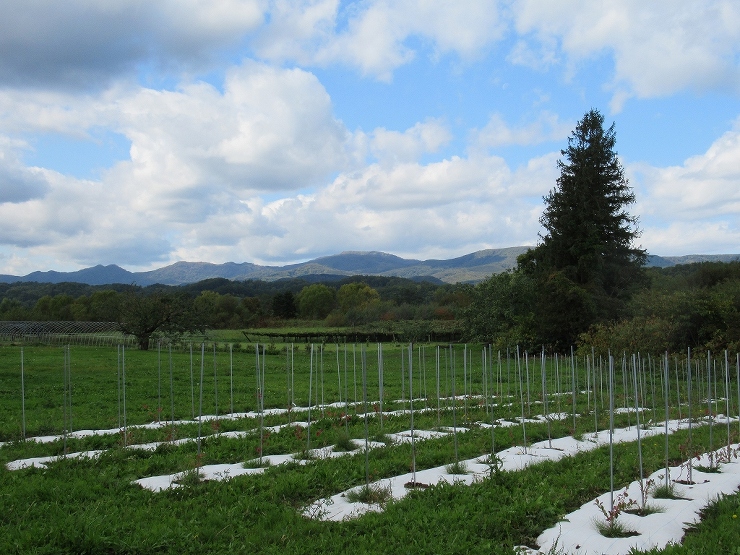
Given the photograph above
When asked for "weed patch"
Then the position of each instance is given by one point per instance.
(370, 495)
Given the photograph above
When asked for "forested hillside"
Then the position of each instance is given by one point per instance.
(223, 304)
(693, 305)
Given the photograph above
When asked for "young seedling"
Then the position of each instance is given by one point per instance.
(610, 527)
(644, 509)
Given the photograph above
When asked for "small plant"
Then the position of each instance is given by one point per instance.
(305, 455)
(344, 443)
(713, 468)
(171, 434)
(457, 468)
(382, 438)
(726, 455)
(645, 510)
(370, 495)
(415, 485)
(488, 459)
(255, 463)
(610, 527)
(614, 529)
(319, 509)
(669, 491)
(125, 439)
(190, 477)
(646, 486)
(688, 455)
(495, 464)
(554, 549)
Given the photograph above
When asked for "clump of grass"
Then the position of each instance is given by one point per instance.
(381, 438)
(370, 495)
(255, 463)
(495, 465)
(457, 468)
(190, 478)
(646, 510)
(613, 529)
(344, 443)
(667, 492)
(305, 455)
(713, 469)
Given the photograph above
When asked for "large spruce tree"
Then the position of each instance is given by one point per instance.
(586, 264)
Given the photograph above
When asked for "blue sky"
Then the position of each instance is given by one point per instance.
(141, 133)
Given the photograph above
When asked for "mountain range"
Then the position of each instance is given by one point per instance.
(470, 268)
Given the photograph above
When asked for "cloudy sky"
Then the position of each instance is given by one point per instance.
(143, 132)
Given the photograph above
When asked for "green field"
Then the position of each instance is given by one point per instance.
(91, 506)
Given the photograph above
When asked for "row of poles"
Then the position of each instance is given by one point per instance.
(643, 369)
(594, 378)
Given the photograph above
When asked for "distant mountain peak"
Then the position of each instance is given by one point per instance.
(363, 253)
(472, 268)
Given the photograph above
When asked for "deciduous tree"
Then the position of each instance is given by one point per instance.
(315, 301)
(144, 315)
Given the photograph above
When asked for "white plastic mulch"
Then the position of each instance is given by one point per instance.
(576, 534)
(226, 471)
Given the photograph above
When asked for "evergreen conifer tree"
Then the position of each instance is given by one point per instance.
(586, 264)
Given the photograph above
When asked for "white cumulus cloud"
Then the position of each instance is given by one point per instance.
(694, 207)
(18, 183)
(374, 36)
(658, 48)
(391, 147)
(547, 127)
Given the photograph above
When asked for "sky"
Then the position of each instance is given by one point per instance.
(145, 132)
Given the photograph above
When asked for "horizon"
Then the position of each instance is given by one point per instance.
(283, 132)
(664, 256)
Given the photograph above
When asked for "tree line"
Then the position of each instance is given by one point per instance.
(223, 304)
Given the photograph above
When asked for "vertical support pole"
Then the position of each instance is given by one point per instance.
(118, 381)
(200, 406)
(411, 399)
(611, 433)
(310, 386)
(574, 385)
(215, 379)
(172, 396)
(639, 436)
(667, 414)
(364, 408)
(23, 399)
(123, 388)
(159, 379)
(231, 375)
(192, 385)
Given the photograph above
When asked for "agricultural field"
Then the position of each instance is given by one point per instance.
(176, 410)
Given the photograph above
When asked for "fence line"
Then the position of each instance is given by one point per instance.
(63, 332)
